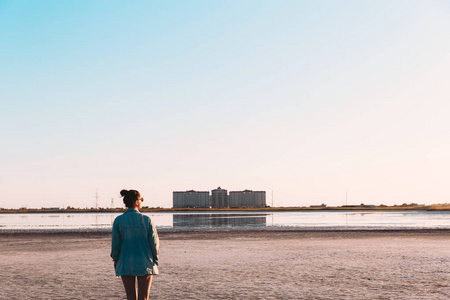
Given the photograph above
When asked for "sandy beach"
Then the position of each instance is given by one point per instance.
(236, 265)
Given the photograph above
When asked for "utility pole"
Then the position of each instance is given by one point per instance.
(96, 199)
(272, 198)
(112, 202)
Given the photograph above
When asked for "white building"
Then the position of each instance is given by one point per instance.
(219, 198)
(247, 198)
(190, 199)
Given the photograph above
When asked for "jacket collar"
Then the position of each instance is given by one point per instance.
(132, 209)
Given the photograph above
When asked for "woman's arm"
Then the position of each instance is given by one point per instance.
(154, 241)
(115, 242)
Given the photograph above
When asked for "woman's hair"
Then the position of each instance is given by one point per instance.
(129, 197)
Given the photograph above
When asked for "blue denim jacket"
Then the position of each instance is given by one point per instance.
(135, 244)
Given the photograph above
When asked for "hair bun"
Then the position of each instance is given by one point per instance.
(123, 193)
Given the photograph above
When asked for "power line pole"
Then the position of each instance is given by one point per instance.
(96, 199)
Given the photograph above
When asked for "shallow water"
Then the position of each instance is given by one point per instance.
(308, 219)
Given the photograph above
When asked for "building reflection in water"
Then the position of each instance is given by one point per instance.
(218, 220)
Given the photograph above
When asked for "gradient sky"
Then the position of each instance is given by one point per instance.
(308, 99)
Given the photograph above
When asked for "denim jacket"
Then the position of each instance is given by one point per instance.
(135, 244)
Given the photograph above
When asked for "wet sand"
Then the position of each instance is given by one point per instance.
(236, 265)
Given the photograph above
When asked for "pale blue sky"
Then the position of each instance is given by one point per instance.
(309, 99)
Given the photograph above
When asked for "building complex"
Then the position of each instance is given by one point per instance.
(219, 198)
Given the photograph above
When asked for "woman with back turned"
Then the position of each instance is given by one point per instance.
(135, 247)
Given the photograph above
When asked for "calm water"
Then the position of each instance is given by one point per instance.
(376, 219)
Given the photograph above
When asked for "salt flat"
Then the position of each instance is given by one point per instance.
(236, 265)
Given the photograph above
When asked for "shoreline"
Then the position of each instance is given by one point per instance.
(432, 207)
(241, 231)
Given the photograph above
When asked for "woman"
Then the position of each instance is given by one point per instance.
(135, 247)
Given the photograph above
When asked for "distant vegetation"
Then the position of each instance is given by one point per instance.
(404, 206)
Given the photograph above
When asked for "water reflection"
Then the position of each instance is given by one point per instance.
(218, 220)
(381, 219)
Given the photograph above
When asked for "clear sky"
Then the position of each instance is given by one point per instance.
(308, 99)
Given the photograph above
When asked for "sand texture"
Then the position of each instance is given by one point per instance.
(236, 265)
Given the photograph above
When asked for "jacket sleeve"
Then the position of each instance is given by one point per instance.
(115, 241)
(154, 241)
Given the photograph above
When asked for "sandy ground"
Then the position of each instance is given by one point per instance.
(236, 265)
